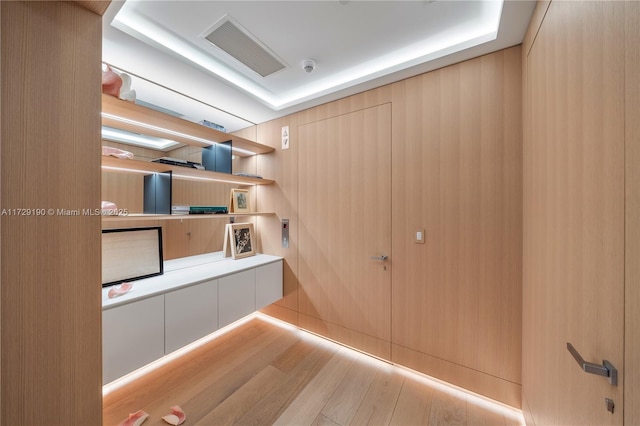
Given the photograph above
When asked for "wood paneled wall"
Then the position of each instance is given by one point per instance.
(50, 157)
(456, 172)
(632, 215)
(574, 208)
(457, 161)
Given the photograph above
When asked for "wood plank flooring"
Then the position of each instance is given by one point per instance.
(261, 374)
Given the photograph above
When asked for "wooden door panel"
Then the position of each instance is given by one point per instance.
(574, 212)
(345, 218)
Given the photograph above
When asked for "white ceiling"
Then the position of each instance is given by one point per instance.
(357, 45)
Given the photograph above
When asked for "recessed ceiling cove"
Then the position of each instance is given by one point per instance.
(261, 49)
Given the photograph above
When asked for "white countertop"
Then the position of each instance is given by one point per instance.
(184, 272)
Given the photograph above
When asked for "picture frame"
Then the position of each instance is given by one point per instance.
(130, 254)
(239, 202)
(240, 240)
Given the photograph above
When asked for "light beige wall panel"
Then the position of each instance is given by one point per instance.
(282, 199)
(485, 384)
(250, 133)
(125, 190)
(632, 214)
(50, 159)
(190, 237)
(534, 25)
(573, 272)
(345, 218)
(457, 155)
(346, 105)
(347, 336)
(187, 152)
(200, 193)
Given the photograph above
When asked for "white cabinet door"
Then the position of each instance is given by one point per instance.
(132, 336)
(236, 296)
(268, 284)
(190, 313)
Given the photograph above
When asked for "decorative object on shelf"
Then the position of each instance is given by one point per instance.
(117, 85)
(119, 290)
(250, 175)
(157, 193)
(118, 153)
(177, 416)
(130, 254)
(135, 419)
(178, 162)
(239, 202)
(199, 210)
(218, 157)
(239, 240)
(111, 82)
(213, 125)
(107, 208)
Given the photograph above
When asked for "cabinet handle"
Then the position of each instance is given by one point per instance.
(606, 369)
(382, 258)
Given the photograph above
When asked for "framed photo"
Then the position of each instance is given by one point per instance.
(130, 254)
(241, 240)
(239, 201)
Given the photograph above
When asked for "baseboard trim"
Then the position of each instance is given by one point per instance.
(362, 342)
(492, 387)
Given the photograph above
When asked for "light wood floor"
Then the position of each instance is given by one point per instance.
(262, 374)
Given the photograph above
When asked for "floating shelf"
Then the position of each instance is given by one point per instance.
(149, 217)
(112, 164)
(128, 116)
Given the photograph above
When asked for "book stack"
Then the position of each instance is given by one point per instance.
(199, 210)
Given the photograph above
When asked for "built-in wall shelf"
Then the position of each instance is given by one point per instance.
(112, 164)
(150, 217)
(128, 116)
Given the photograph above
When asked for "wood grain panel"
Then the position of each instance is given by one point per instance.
(50, 159)
(281, 198)
(345, 218)
(354, 339)
(457, 148)
(573, 272)
(534, 25)
(125, 190)
(473, 380)
(96, 6)
(632, 214)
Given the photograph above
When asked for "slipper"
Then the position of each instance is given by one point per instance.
(177, 416)
(135, 419)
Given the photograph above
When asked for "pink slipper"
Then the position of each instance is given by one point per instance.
(119, 290)
(177, 416)
(135, 419)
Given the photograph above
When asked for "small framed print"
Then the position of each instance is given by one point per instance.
(239, 202)
(240, 240)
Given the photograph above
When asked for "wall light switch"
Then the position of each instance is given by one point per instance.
(285, 233)
(420, 236)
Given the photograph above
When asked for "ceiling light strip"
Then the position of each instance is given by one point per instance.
(156, 128)
(486, 30)
(171, 132)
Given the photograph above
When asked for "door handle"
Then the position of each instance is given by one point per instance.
(606, 369)
(382, 258)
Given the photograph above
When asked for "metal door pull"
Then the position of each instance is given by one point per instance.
(606, 369)
(380, 258)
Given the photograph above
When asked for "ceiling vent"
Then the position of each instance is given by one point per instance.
(235, 40)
